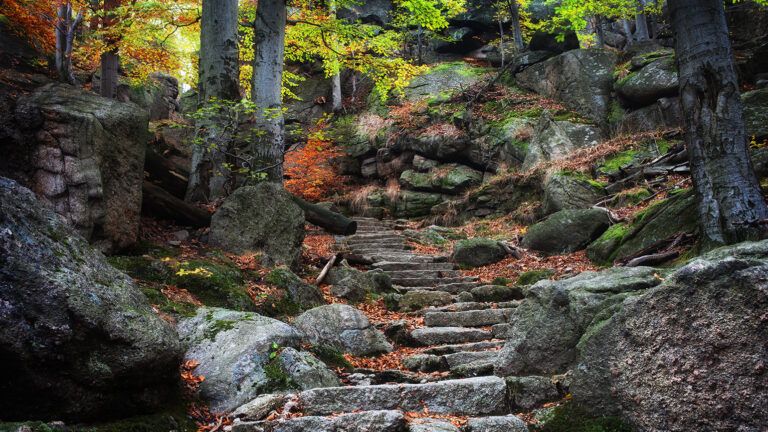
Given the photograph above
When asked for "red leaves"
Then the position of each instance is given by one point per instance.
(309, 173)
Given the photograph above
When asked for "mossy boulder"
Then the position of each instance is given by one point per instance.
(214, 283)
(601, 250)
(756, 112)
(442, 81)
(260, 218)
(409, 204)
(532, 276)
(477, 252)
(655, 81)
(449, 179)
(342, 327)
(497, 293)
(555, 140)
(233, 350)
(565, 190)
(300, 293)
(566, 231)
(79, 340)
(355, 285)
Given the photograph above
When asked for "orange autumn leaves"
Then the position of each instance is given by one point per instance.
(33, 19)
(309, 173)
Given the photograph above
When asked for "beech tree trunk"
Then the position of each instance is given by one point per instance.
(110, 60)
(731, 205)
(517, 30)
(628, 31)
(219, 75)
(65, 30)
(269, 47)
(641, 24)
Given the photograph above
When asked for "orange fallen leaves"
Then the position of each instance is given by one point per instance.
(511, 268)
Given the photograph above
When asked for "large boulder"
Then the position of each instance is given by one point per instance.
(355, 285)
(756, 112)
(78, 340)
(260, 218)
(233, 350)
(500, 144)
(547, 326)
(665, 113)
(582, 79)
(566, 231)
(449, 179)
(88, 160)
(652, 82)
(443, 81)
(568, 191)
(343, 328)
(298, 292)
(410, 204)
(689, 354)
(477, 252)
(555, 140)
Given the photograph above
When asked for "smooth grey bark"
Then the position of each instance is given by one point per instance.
(628, 31)
(219, 76)
(110, 60)
(517, 30)
(336, 97)
(65, 30)
(641, 24)
(269, 48)
(731, 205)
(600, 36)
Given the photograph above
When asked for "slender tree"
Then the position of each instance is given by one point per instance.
(641, 23)
(110, 59)
(218, 81)
(66, 28)
(269, 49)
(731, 205)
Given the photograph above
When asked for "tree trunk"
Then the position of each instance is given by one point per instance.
(731, 205)
(517, 30)
(158, 203)
(332, 222)
(65, 38)
(269, 47)
(336, 98)
(627, 31)
(501, 42)
(219, 78)
(599, 36)
(641, 24)
(110, 60)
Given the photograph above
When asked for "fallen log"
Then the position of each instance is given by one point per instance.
(159, 203)
(653, 259)
(332, 222)
(170, 176)
(326, 269)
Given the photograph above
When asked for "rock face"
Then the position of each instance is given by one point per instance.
(654, 81)
(566, 231)
(553, 140)
(355, 285)
(688, 355)
(756, 112)
(300, 293)
(569, 191)
(260, 218)
(548, 325)
(582, 79)
(89, 160)
(449, 179)
(78, 340)
(233, 350)
(342, 327)
(477, 252)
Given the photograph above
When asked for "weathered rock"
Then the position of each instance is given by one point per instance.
(260, 218)
(78, 340)
(566, 231)
(365, 421)
(549, 323)
(89, 160)
(655, 81)
(528, 392)
(375, 12)
(410, 204)
(449, 335)
(756, 112)
(666, 113)
(342, 327)
(501, 143)
(442, 81)
(582, 79)
(554, 140)
(233, 351)
(431, 425)
(477, 252)
(497, 293)
(417, 300)
(449, 179)
(507, 423)
(689, 354)
(260, 407)
(471, 396)
(355, 285)
(305, 371)
(300, 293)
(568, 191)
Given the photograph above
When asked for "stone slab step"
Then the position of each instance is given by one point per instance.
(457, 287)
(410, 266)
(364, 421)
(448, 362)
(472, 346)
(406, 257)
(429, 281)
(361, 244)
(473, 396)
(466, 357)
(468, 306)
(474, 369)
(374, 236)
(470, 318)
(428, 336)
(410, 274)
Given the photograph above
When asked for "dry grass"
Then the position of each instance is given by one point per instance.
(358, 199)
(392, 190)
(371, 124)
(445, 130)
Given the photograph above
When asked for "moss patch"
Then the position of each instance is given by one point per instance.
(332, 357)
(533, 276)
(570, 418)
(215, 284)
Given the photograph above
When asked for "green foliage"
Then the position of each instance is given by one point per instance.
(570, 418)
(502, 281)
(214, 283)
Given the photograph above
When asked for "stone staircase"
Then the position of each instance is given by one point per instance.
(460, 336)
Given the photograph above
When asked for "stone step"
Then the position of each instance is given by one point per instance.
(508, 423)
(472, 346)
(411, 266)
(470, 305)
(407, 257)
(473, 396)
(429, 281)
(474, 369)
(469, 318)
(448, 362)
(457, 287)
(427, 336)
(464, 358)
(376, 235)
(363, 421)
(409, 274)
(378, 249)
(362, 243)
